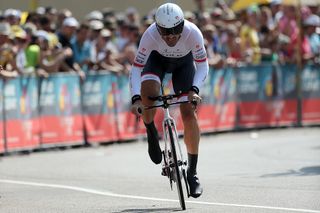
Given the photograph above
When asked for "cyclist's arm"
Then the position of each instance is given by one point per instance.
(145, 47)
(200, 57)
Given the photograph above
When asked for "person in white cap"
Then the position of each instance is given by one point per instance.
(310, 24)
(94, 15)
(12, 16)
(171, 44)
(69, 27)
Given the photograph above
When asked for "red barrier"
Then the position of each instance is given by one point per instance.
(21, 120)
(128, 126)
(60, 110)
(311, 111)
(61, 130)
(100, 128)
(217, 117)
(271, 113)
(2, 147)
(22, 134)
(311, 94)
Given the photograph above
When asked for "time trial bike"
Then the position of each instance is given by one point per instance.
(174, 164)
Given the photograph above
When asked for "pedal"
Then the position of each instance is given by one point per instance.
(163, 172)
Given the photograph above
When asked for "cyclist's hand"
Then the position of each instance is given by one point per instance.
(194, 98)
(136, 108)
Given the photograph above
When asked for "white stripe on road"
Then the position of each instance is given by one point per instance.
(111, 194)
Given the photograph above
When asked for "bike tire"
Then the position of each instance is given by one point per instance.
(176, 168)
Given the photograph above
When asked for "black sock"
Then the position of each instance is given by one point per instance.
(149, 125)
(192, 163)
(151, 129)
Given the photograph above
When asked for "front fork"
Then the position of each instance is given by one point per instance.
(167, 165)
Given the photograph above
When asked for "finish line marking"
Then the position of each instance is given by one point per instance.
(111, 194)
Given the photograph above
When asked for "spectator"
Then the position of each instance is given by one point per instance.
(12, 16)
(46, 25)
(132, 15)
(276, 10)
(233, 47)
(94, 15)
(95, 27)
(21, 43)
(101, 56)
(289, 27)
(7, 56)
(311, 40)
(32, 53)
(61, 16)
(249, 36)
(215, 60)
(190, 16)
(81, 47)
(131, 47)
(51, 58)
(122, 34)
(266, 35)
(68, 29)
(310, 24)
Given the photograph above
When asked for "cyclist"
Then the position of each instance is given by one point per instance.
(171, 44)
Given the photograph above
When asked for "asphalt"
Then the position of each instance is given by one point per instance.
(265, 171)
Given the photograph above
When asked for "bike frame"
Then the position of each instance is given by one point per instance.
(168, 120)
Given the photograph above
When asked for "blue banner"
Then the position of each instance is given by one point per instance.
(123, 97)
(21, 108)
(21, 98)
(97, 93)
(60, 95)
(60, 109)
(288, 78)
(220, 88)
(311, 82)
(257, 83)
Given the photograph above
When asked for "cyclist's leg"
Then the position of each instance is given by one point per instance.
(149, 88)
(191, 128)
(182, 79)
(151, 77)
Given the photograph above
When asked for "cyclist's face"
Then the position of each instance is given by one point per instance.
(171, 40)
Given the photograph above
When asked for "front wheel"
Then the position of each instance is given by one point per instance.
(176, 168)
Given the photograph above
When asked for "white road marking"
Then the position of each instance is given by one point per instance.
(111, 194)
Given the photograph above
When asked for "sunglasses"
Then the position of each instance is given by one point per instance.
(170, 31)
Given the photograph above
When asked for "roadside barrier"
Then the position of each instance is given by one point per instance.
(62, 111)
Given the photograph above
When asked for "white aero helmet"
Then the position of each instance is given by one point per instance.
(169, 19)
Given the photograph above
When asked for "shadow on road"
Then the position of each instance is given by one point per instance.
(150, 210)
(305, 171)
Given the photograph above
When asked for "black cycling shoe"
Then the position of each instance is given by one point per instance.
(194, 185)
(153, 144)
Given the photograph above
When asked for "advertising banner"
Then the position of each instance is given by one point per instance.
(21, 113)
(260, 96)
(128, 124)
(218, 108)
(98, 103)
(2, 133)
(311, 94)
(288, 93)
(60, 110)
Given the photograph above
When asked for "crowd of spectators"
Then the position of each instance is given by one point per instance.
(49, 40)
